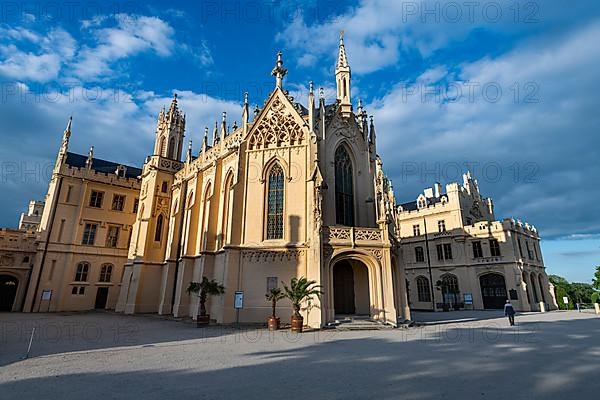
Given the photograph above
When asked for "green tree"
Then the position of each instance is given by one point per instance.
(581, 292)
(596, 280)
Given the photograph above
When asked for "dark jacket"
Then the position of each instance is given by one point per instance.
(508, 309)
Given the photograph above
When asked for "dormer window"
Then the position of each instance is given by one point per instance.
(121, 171)
(421, 202)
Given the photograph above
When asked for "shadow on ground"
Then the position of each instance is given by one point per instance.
(555, 360)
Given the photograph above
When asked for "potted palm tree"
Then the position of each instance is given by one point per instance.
(208, 287)
(300, 289)
(274, 295)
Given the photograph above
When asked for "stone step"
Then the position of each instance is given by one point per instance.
(358, 324)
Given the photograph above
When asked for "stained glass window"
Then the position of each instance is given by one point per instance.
(275, 203)
(344, 193)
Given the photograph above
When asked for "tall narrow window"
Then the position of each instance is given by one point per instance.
(275, 203)
(89, 234)
(171, 154)
(162, 147)
(106, 273)
(159, 228)
(344, 192)
(477, 250)
(419, 254)
(423, 292)
(494, 248)
(416, 230)
(442, 226)
(226, 210)
(82, 272)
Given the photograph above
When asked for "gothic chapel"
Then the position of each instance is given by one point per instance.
(297, 191)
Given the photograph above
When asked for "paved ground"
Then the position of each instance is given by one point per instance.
(107, 356)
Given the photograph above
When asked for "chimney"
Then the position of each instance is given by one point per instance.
(437, 190)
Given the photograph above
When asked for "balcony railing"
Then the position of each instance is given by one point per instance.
(352, 236)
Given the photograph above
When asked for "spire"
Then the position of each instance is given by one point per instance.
(342, 79)
(66, 135)
(322, 111)
(205, 140)
(342, 61)
(245, 113)
(90, 158)
(359, 114)
(173, 104)
(311, 108)
(223, 125)
(279, 72)
(216, 134)
(188, 157)
(256, 112)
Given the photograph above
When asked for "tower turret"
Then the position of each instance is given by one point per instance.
(342, 78)
(170, 131)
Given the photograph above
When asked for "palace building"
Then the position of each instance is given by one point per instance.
(294, 190)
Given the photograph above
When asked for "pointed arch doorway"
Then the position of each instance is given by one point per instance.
(351, 288)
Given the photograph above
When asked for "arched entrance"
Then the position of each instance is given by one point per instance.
(493, 290)
(351, 288)
(8, 292)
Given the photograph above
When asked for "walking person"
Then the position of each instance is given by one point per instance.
(509, 312)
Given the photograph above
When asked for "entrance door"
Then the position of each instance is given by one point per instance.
(101, 298)
(343, 288)
(493, 291)
(8, 292)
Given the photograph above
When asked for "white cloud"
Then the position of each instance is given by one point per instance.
(379, 32)
(549, 142)
(44, 57)
(132, 35)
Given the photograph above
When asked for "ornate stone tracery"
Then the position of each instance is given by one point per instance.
(278, 128)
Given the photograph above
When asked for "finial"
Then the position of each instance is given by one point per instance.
(310, 87)
(279, 72)
(256, 110)
(68, 128)
(235, 126)
(90, 158)
(321, 93)
(342, 36)
(174, 96)
(246, 98)
(224, 116)
(359, 102)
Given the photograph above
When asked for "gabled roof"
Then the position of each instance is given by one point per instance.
(99, 165)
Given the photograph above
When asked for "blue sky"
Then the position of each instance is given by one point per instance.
(508, 89)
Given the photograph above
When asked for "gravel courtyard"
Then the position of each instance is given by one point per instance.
(461, 355)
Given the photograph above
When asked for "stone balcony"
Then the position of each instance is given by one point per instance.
(352, 236)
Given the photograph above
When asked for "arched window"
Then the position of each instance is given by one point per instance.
(275, 196)
(344, 193)
(423, 290)
(171, 148)
(159, 228)
(226, 209)
(106, 273)
(205, 215)
(82, 272)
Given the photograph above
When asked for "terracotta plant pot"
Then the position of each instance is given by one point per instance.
(273, 323)
(202, 320)
(297, 323)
